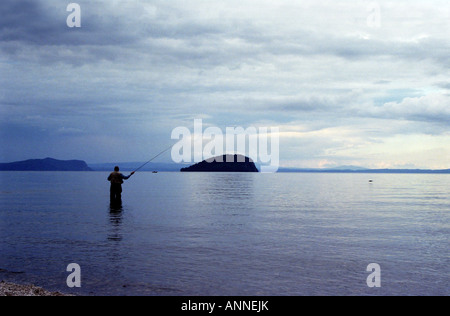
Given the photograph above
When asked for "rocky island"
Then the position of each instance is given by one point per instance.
(225, 163)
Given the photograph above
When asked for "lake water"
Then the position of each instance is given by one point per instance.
(227, 234)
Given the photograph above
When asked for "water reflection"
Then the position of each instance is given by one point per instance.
(115, 219)
(228, 186)
(227, 195)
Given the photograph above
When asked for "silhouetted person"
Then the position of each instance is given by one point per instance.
(116, 179)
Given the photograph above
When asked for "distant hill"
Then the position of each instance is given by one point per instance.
(47, 164)
(231, 163)
(349, 168)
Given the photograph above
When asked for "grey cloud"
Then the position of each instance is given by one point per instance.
(118, 32)
(444, 85)
(433, 108)
(382, 82)
(307, 104)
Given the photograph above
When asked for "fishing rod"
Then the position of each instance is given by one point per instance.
(164, 151)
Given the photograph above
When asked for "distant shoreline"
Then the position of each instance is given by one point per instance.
(54, 165)
(368, 171)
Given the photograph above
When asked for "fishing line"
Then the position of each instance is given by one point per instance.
(163, 152)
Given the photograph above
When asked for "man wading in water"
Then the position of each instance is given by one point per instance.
(116, 179)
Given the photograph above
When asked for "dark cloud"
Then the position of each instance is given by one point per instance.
(25, 21)
(43, 23)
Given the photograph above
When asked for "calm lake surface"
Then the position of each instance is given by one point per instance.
(227, 234)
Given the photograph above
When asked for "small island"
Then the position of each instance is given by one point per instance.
(47, 164)
(225, 163)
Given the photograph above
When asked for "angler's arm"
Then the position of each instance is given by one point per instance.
(126, 178)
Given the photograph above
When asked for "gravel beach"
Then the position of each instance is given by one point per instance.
(9, 289)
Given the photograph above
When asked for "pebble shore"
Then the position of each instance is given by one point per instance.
(10, 289)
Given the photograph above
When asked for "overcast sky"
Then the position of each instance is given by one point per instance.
(342, 89)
